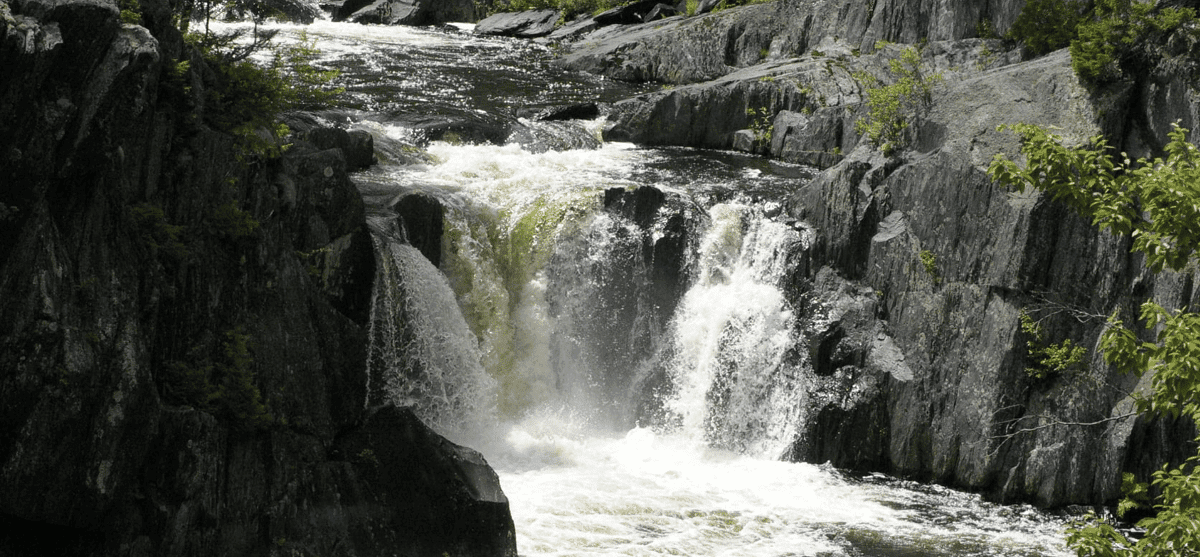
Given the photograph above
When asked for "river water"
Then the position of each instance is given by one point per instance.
(630, 407)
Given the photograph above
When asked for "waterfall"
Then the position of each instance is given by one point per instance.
(618, 329)
(422, 355)
(736, 371)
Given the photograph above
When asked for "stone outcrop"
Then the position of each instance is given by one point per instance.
(406, 12)
(700, 48)
(528, 25)
(183, 322)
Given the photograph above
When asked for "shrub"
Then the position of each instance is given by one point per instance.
(1049, 359)
(929, 261)
(1047, 25)
(237, 396)
(761, 126)
(224, 384)
(247, 98)
(231, 221)
(891, 107)
(1104, 39)
(160, 236)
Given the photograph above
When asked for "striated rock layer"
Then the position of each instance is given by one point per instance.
(183, 323)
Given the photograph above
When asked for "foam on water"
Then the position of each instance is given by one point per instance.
(644, 493)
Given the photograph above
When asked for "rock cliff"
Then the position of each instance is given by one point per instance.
(923, 266)
(183, 322)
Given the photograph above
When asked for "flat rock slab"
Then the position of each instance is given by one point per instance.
(530, 24)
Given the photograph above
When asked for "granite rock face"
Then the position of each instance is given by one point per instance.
(700, 48)
(160, 285)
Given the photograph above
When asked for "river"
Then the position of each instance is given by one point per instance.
(634, 400)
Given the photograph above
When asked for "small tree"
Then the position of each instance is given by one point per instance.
(890, 107)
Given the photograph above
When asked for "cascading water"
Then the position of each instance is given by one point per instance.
(624, 319)
(734, 361)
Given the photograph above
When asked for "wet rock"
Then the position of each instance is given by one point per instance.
(357, 146)
(529, 24)
(299, 11)
(421, 220)
(581, 111)
(660, 11)
(414, 473)
(406, 12)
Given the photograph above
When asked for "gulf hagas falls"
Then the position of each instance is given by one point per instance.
(769, 278)
(645, 355)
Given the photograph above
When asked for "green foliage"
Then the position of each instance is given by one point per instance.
(131, 12)
(1136, 494)
(569, 8)
(160, 236)
(985, 30)
(1154, 200)
(1157, 202)
(231, 221)
(1103, 37)
(1115, 27)
(1049, 359)
(890, 108)
(1047, 25)
(247, 98)
(224, 384)
(691, 6)
(238, 398)
(929, 261)
(761, 125)
(188, 384)
(308, 84)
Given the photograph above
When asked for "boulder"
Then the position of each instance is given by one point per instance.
(629, 13)
(528, 24)
(386, 12)
(439, 498)
(299, 11)
(579, 111)
(406, 12)
(660, 11)
(705, 6)
(358, 147)
(814, 139)
(573, 30)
